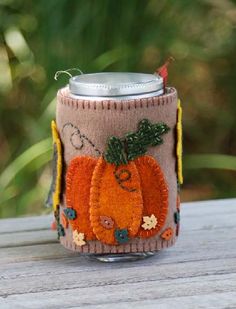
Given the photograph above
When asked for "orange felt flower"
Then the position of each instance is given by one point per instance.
(167, 234)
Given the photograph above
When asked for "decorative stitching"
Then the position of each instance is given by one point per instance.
(81, 136)
(148, 134)
(115, 152)
(133, 246)
(135, 144)
(167, 98)
(154, 193)
(73, 144)
(120, 181)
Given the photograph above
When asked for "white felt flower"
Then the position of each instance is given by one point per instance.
(78, 238)
(149, 222)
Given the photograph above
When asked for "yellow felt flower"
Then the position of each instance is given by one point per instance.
(149, 222)
(78, 238)
(179, 147)
(58, 166)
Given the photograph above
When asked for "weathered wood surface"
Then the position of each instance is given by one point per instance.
(198, 272)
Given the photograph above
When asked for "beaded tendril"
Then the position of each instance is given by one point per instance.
(135, 144)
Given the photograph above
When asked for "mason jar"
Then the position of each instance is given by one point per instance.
(117, 165)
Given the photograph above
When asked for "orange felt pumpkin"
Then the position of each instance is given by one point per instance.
(115, 193)
(78, 181)
(110, 197)
(155, 194)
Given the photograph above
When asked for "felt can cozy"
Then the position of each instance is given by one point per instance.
(117, 163)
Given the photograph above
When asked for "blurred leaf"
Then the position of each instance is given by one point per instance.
(17, 43)
(8, 194)
(27, 157)
(110, 57)
(6, 78)
(214, 161)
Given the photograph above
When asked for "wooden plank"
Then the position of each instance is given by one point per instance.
(107, 275)
(123, 292)
(225, 300)
(210, 301)
(13, 225)
(221, 205)
(27, 238)
(199, 272)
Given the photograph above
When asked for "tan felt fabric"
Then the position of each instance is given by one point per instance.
(84, 127)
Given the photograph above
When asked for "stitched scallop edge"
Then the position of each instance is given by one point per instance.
(137, 245)
(156, 169)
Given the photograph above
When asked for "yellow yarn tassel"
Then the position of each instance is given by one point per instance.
(179, 147)
(57, 143)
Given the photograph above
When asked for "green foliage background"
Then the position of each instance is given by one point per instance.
(37, 38)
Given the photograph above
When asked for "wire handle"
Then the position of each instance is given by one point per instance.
(58, 73)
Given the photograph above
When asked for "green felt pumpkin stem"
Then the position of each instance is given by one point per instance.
(135, 144)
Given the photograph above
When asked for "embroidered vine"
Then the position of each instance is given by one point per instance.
(82, 138)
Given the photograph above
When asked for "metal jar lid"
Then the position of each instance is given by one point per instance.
(116, 84)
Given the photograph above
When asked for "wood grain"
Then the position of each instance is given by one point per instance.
(198, 272)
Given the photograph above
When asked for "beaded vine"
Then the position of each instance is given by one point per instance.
(122, 150)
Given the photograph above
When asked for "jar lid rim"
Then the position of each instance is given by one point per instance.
(114, 84)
